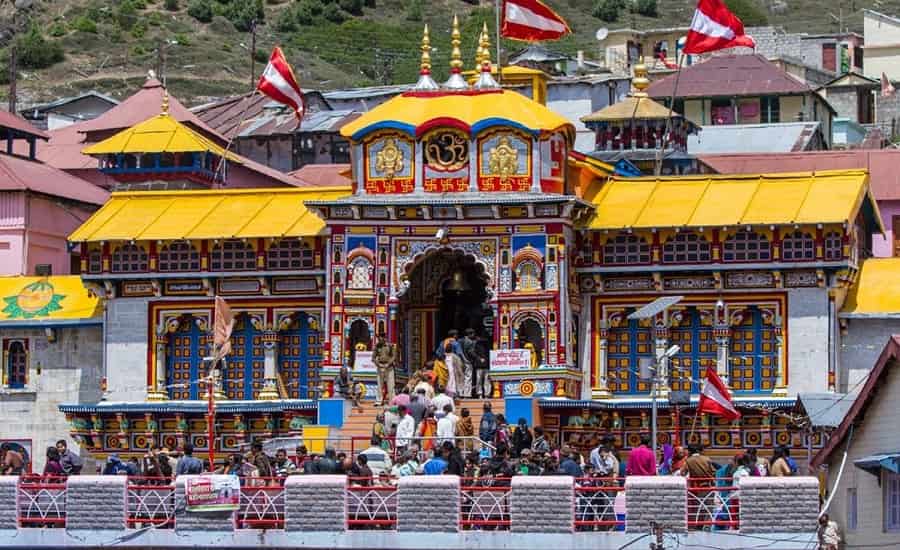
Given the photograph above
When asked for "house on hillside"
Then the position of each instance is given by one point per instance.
(743, 89)
(623, 48)
(882, 52)
(864, 485)
(68, 110)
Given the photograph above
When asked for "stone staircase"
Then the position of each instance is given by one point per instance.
(358, 421)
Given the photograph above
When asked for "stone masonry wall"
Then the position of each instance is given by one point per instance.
(8, 513)
(656, 499)
(428, 503)
(779, 504)
(96, 502)
(542, 504)
(315, 503)
(198, 521)
(126, 348)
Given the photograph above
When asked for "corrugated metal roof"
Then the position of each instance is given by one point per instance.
(363, 93)
(825, 410)
(537, 53)
(780, 137)
(20, 125)
(286, 123)
(21, 174)
(66, 100)
(323, 175)
(884, 178)
(729, 75)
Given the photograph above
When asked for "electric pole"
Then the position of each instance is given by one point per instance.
(252, 55)
(13, 76)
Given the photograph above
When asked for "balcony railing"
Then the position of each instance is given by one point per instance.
(600, 504)
(42, 501)
(713, 504)
(484, 503)
(151, 501)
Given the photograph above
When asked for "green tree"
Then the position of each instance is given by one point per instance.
(242, 13)
(334, 13)
(414, 10)
(647, 8)
(607, 10)
(201, 10)
(749, 12)
(83, 24)
(354, 7)
(172, 5)
(36, 52)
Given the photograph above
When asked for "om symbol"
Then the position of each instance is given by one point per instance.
(446, 151)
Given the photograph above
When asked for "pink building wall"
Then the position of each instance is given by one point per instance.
(883, 247)
(33, 230)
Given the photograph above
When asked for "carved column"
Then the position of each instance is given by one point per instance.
(780, 378)
(602, 391)
(661, 339)
(270, 365)
(158, 391)
(721, 334)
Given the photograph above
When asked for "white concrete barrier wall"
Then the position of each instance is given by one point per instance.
(778, 504)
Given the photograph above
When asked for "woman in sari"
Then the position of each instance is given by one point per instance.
(455, 372)
(428, 430)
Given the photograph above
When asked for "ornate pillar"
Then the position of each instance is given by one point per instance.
(780, 378)
(158, 391)
(602, 391)
(661, 335)
(721, 334)
(270, 365)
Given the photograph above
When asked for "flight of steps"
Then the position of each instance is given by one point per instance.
(358, 422)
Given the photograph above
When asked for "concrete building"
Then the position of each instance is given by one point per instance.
(52, 352)
(882, 51)
(623, 48)
(852, 96)
(865, 490)
(68, 110)
(743, 89)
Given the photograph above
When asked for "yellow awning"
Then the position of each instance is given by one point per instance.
(158, 134)
(46, 299)
(715, 201)
(214, 214)
(876, 292)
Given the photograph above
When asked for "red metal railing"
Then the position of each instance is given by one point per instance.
(371, 503)
(150, 501)
(484, 503)
(713, 503)
(41, 501)
(262, 503)
(599, 504)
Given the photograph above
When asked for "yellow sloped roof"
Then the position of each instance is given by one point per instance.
(213, 214)
(43, 299)
(470, 111)
(876, 291)
(710, 201)
(158, 134)
(628, 108)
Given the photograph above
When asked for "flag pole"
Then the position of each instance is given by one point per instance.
(211, 416)
(220, 170)
(498, 5)
(665, 140)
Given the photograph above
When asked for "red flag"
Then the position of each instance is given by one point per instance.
(531, 21)
(223, 323)
(887, 89)
(279, 83)
(715, 399)
(714, 27)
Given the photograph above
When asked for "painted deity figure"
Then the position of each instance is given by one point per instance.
(385, 359)
(503, 159)
(389, 161)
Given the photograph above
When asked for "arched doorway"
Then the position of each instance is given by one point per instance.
(447, 290)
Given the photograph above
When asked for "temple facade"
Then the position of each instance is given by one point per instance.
(467, 211)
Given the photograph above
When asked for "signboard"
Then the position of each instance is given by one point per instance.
(212, 493)
(362, 362)
(510, 359)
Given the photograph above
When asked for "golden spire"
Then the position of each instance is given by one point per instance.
(456, 62)
(425, 67)
(485, 46)
(165, 102)
(425, 81)
(640, 80)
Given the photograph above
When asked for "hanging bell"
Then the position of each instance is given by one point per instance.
(458, 282)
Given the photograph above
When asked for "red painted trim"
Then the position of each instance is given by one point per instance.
(443, 122)
(444, 93)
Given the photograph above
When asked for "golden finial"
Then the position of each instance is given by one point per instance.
(485, 45)
(640, 80)
(165, 102)
(456, 62)
(425, 67)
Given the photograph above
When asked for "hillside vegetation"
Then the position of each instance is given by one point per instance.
(202, 47)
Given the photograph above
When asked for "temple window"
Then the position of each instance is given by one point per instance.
(753, 365)
(243, 373)
(695, 337)
(233, 255)
(95, 261)
(833, 246)
(179, 256)
(528, 276)
(627, 345)
(289, 254)
(626, 249)
(747, 246)
(187, 345)
(300, 358)
(360, 273)
(798, 247)
(129, 258)
(16, 363)
(686, 248)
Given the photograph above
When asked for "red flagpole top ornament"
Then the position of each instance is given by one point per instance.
(531, 21)
(714, 27)
(279, 83)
